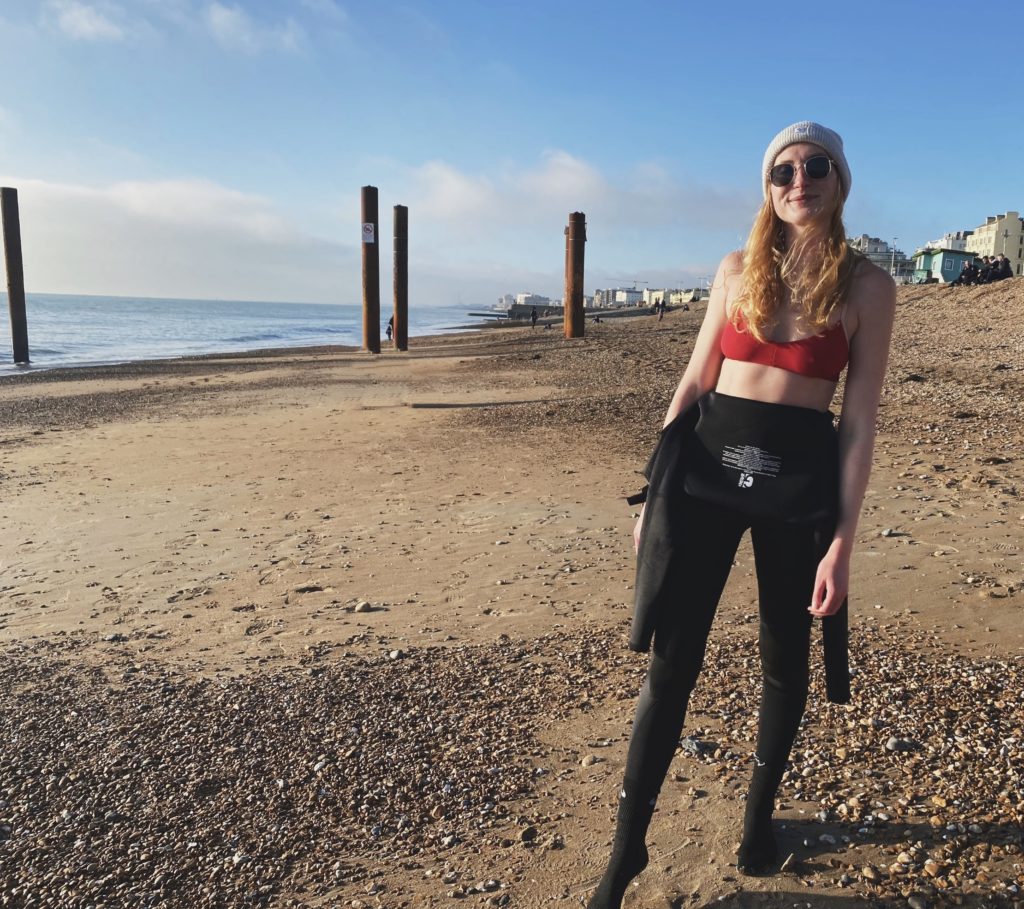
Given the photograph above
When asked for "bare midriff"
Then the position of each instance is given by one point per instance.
(773, 385)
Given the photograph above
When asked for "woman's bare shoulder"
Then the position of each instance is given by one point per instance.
(731, 264)
(728, 278)
(871, 281)
(870, 303)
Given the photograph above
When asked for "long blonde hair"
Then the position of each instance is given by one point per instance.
(769, 268)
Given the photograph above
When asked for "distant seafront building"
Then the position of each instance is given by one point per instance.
(617, 296)
(1000, 234)
(954, 241)
(630, 296)
(532, 300)
(883, 255)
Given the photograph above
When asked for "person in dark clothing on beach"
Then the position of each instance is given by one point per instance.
(985, 271)
(968, 274)
(785, 317)
(533, 317)
(1003, 269)
(391, 327)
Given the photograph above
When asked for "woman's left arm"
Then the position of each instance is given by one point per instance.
(873, 303)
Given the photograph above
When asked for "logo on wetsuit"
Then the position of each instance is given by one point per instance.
(750, 461)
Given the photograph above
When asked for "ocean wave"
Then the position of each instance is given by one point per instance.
(256, 337)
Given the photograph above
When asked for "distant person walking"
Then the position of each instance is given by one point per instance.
(533, 317)
(391, 327)
(749, 443)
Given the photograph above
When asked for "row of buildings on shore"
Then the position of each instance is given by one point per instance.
(938, 260)
(612, 298)
(942, 259)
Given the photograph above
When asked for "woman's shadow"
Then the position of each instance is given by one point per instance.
(801, 899)
(806, 861)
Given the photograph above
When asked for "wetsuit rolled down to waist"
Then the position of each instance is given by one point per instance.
(775, 463)
(724, 466)
(765, 460)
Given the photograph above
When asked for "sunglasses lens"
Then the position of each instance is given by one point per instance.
(818, 167)
(781, 175)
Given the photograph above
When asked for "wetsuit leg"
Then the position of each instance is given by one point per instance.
(711, 536)
(787, 558)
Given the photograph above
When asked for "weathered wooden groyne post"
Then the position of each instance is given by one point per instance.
(401, 327)
(15, 272)
(371, 270)
(572, 303)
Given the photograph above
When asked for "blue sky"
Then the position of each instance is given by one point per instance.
(204, 149)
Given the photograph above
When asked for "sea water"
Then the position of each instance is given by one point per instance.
(68, 330)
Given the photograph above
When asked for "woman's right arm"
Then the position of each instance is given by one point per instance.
(701, 373)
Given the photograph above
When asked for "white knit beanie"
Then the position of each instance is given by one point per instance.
(815, 134)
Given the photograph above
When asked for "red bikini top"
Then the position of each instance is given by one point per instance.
(821, 356)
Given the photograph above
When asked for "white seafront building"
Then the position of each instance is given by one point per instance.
(886, 257)
(529, 299)
(956, 241)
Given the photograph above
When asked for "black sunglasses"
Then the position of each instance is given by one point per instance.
(817, 167)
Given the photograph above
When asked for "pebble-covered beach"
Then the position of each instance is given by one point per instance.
(318, 631)
(133, 784)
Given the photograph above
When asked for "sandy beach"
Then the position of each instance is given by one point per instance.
(315, 628)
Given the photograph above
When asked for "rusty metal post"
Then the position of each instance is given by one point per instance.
(15, 273)
(371, 270)
(575, 238)
(401, 277)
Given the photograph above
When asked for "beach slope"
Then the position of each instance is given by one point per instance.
(317, 628)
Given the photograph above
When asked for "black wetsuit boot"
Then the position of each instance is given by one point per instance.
(629, 851)
(758, 850)
(781, 710)
(660, 713)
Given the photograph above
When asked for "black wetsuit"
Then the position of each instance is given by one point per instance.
(769, 468)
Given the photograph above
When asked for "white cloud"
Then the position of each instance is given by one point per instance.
(328, 10)
(199, 204)
(233, 28)
(563, 180)
(177, 238)
(473, 236)
(444, 193)
(503, 229)
(559, 183)
(85, 22)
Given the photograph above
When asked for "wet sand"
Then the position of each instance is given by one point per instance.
(316, 628)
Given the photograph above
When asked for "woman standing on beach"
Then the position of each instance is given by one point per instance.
(749, 442)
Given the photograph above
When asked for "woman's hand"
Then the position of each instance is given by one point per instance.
(636, 530)
(832, 582)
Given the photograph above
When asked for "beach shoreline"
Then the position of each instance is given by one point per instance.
(258, 553)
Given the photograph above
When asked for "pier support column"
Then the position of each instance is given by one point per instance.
(371, 270)
(572, 302)
(401, 277)
(15, 273)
